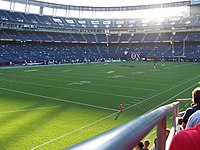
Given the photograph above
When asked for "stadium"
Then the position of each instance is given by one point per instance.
(104, 75)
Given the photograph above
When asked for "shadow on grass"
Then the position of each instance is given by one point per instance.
(27, 128)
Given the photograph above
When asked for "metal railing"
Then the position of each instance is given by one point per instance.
(128, 135)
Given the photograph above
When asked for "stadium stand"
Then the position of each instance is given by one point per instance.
(24, 34)
(27, 39)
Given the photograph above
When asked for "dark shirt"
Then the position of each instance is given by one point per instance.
(189, 112)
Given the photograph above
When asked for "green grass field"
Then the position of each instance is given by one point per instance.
(54, 107)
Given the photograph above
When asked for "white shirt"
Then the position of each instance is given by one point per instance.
(194, 119)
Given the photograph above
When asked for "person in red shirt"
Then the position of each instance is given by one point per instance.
(187, 139)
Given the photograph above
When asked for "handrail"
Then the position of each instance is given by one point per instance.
(128, 135)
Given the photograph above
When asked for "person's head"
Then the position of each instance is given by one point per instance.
(146, 143)
(196, 96)
(139, 146)
(180, 120)
(167, 132)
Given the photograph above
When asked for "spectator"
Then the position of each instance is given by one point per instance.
(146, 145)
(139, 146)
(194, 119)
(194, 108)
(187, 139)
(167, 133)
(155, 140)
(154, 146)
(179, 124)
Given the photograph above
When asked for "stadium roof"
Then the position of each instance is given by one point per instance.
(108, 3)
(99, 8)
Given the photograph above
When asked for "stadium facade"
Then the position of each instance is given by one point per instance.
(36, 38)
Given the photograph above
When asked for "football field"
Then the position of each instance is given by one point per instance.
(54, 107)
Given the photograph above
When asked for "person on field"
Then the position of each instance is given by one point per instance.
(154, 65)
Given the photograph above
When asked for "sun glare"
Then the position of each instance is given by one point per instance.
(152, 14)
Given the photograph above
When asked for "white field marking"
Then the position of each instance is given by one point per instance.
(171, 98)
(109, 72)
(101, 79)
(137, 72)
(90, 78)
(79, 83)
(75, 83)
(86, 82)
(73, 131)
(32, 70)
(32, 109)
(92, 83)
(186, 105)
(115, 76)
(117, 86)
(131, 102)
(86, 91)
(164, 92)
(180, 109)
(150, 134)
(107, 116)
(127, 104)
(66, 70)
(58, 99)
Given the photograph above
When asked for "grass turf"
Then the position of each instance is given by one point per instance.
(54, 107)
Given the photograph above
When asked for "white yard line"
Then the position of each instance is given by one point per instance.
(150, 134)
(106, 85)
(58, 99)
(113, 114)
(86, 78)
(32, 109)
(172, 98)
(73, 131)
(86, 91)
(164, 92)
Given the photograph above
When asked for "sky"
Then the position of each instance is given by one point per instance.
(109, 3)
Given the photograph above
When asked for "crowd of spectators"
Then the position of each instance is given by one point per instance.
(188, 137)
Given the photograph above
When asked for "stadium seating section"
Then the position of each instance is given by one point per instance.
(36, 38)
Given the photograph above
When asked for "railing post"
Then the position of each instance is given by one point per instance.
(161, 134)
(174, 116)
